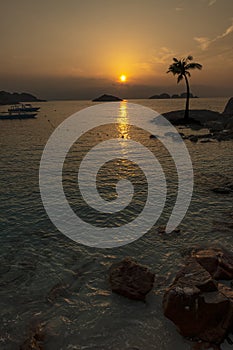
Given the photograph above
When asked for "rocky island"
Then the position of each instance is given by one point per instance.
(7, 98)
(107, 98)
(165, 96)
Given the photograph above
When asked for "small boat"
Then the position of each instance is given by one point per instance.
(17, 115)
(23, 108)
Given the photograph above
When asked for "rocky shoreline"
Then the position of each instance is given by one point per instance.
(219, 125)
(199, 301)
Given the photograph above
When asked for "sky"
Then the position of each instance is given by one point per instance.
(77, 49)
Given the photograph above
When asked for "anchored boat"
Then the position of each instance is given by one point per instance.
(27, 107)
(23, 111)
(17, 115)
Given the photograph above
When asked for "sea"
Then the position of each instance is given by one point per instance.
(48, 279)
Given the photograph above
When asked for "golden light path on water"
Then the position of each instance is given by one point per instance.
(123, 121)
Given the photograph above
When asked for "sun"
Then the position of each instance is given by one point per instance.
(123, 78)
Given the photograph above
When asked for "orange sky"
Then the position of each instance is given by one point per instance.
(77, 49)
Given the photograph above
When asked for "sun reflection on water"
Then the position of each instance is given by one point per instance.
(123, 121)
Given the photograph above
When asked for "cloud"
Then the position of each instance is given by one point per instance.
(212, 2)
(205, 42)
(179, 9)
(227, 32)
(163, 55)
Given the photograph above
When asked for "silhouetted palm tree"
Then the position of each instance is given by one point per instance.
(181, 68)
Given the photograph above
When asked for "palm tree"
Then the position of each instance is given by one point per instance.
(181, 68)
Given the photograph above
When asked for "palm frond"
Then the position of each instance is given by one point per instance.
(174, 69)
(175, 60)
(189, 58)
(180, 77)
(193, 65)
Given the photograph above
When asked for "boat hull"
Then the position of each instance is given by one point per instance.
(17, 116)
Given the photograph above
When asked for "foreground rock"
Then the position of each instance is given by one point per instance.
(107, 98)
(217, 262)
(130, 279)
(200, 307)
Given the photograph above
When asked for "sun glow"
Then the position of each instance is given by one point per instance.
(123, 78)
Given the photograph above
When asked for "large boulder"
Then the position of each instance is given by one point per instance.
(130, 279)
(200, 307)
(228, 110)
(217, 262)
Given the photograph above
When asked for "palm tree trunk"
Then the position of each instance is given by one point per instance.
(186, 114)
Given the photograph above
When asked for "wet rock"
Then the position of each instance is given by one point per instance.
(215, 125)
(224, 135)
(222, 190)
(130, 279)
(193, 138)
(217, 262)
(195, 276)
(206, 140)
(35, 339)
(162, 230)
(229, 124)
(199, 315)
(200, 307)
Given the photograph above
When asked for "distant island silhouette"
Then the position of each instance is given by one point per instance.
(107, 98)
(166, 95)
(7, 98)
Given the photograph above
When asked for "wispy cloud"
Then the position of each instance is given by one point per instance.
(163, 55)
(211, 2)
(205, 42)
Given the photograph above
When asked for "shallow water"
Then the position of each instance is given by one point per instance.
(46, 277)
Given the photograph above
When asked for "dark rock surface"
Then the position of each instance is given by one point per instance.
(130, 279)
(200, 306)
(107, 98)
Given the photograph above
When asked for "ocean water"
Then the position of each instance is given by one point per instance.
(47, 278)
